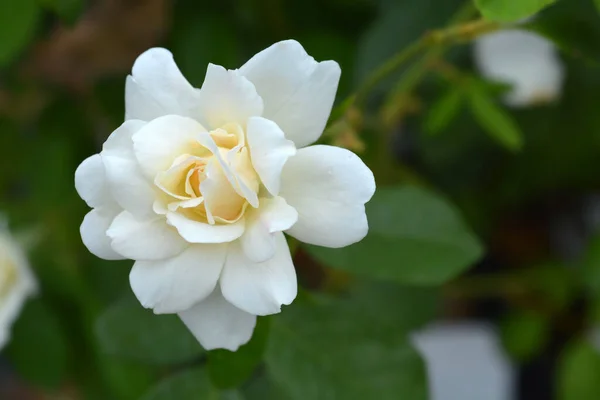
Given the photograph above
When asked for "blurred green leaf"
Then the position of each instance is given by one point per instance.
(129, 380)
(230, 369)
(510, 10)
(578, 372)
(38, 348)
(261, 387)
(413, 307)
(18, 19)
(126, 329)
(573, 26)
(191, 384)
(493, 119)
(555, 282)
(323, 349)
(444, 110)
(398, 25)
(415, 237)
(524, 334)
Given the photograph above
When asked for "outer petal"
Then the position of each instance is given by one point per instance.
(176, 284)
(227, 97)
(90, 182)
(200, 232)
(129, 187)
(158, 88)
(259, 288)
(144, 240)
(217, 324)
(270, 150)
(328, 186)
(93, 232)
(164, 139)
(274, 215)
(298, 92)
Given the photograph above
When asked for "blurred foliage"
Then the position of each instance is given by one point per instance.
(470, 194)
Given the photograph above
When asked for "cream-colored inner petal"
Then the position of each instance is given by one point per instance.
(213, 182)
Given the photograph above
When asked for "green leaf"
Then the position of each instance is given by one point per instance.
(38, 348)
(493, 119)
(444, 110)
(261, 387)
(326, 349)
(413, 307)
(127, 330)
(191, 384)
(573, 26)
(578, 372)
(128, 380)
(18, 19)
(230, 369)
(524, 334)
(510, 10)
(415, 237)
(398, 25)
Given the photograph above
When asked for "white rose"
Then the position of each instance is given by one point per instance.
(524, 60)
(17, 283)
(198, 186)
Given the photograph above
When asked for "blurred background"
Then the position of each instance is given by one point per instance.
(480, 277)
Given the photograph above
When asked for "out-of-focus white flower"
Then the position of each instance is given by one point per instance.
(524, 60)
(198, 186)
(17, 282)
(465, 362)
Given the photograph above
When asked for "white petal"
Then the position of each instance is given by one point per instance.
(90, 182)
(259, 288)
(93, 232)
(144, 239)
(269, 150)
(220, 198)
(526, 61)
(129, 187)
(217, 324)
(158, 88)
(465, 361)
(176, 284)
(297, 91)
(274, 215)
(227, 97)
(161, 141)
(328, 186)
(200, 232)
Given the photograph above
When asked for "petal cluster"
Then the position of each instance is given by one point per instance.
(198, 187)
(17, 283)
(524, 60)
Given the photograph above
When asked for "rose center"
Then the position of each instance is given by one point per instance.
(213, 181)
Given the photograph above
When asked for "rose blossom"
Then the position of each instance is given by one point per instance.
(198, 185)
